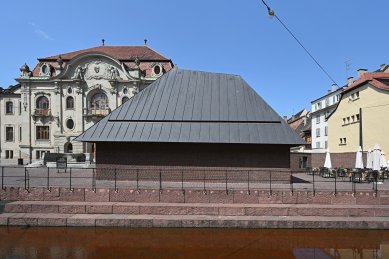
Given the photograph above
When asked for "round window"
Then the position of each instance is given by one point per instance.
(45, 69)
(69, 90)
(70, 124)
(125, 90)
(157, 70)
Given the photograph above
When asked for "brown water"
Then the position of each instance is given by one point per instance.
(190, 243)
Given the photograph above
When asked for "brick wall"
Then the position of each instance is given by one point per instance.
(295, 161)
(193, 155)
(345, 160)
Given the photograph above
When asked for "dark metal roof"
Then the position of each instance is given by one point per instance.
(195, 107)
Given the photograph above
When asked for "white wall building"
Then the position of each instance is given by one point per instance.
(66, 94)
(321, 108)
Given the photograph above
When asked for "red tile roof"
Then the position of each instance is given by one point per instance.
(118, 52)
(377, 79)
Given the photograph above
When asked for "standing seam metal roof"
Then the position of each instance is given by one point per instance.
(196, 107)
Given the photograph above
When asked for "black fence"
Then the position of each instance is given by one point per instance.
(192, 178)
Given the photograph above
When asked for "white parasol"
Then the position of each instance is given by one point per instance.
(327, 162)
(369, 162)
(358, 159)
(376, 158)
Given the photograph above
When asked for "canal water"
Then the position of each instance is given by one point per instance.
(18, 242)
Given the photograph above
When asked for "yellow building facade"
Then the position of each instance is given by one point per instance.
(362, 115)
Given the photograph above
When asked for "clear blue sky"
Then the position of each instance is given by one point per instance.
(234, 37)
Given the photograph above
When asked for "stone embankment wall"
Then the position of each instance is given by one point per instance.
(195, 196)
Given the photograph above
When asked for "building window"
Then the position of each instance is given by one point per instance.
(125, 99)
(344, 141)
(353, 118)
(317, 119)
(327, 102)
(99, 101)
(325, 144)
(348, 120)
(42, 105)
(9, 154)
(20, 134)
(70, 90)
(157, 70)
(344, 121)
(70, 102)
(357, 116)
(20, 108)
(39, 153)
(326, 131)
(9, 108)
(42, 132)
(318, 132)
(357, 94)
(317, 144)
(9, 134)
(303, 162)
(340, 141)
(125, 90)
(70, 124)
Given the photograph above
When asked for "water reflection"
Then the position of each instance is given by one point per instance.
(191, 243)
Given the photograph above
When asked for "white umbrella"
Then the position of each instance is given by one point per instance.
(376, 158)
(383, 159)
(327, 162)
(358, 159)
(369, 162)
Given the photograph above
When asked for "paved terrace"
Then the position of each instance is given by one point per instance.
(201, 180)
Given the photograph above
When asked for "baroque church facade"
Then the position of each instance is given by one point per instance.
(68, 93)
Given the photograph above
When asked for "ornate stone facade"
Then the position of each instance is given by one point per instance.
(66, 94)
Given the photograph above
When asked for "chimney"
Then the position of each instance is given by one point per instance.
(334, 87)
(285, 118)
(350, 80)
(361, 72)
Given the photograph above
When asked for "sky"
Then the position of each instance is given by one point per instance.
(233, 37)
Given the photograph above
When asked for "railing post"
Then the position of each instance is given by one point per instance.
(248, 182)
(182, 181)
(2, 178)
(137, 179)
(25, 178)
(48, 178)
(70, 179)
(160, 179)
(116, 190)
(93, 180)
(226, 181)
(313, 182)
(271, 192)
(204, 181)
(335, 183)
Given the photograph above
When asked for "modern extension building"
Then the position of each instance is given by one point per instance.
(68, 93)
(194, 119)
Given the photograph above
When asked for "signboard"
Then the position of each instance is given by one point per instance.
(61, 162)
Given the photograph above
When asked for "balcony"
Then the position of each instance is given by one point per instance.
(42, 113)
(93, 112)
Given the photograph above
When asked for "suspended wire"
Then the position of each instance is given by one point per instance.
(272, 13)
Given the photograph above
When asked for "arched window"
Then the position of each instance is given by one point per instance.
(70, 103)
(42, 105)
(68, 147)
(9, 108)
(125, 99)
(99, 101)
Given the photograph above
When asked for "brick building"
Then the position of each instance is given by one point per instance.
(194, 119)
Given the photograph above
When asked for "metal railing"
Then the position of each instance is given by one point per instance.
(191, 178)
